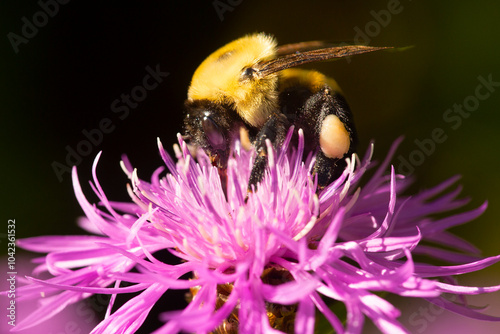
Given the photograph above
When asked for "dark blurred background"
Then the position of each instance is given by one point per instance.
(61, 72)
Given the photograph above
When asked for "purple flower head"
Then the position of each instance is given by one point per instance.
(265, 262)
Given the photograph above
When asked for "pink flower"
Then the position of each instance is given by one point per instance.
(265, 264)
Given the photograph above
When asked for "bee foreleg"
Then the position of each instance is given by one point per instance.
(275, 130)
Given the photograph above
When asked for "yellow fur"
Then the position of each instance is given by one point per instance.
(218, 78)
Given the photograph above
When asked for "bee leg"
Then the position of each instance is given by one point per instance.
(258, 170)
(335, 132)
(327, 169)
(275, 130)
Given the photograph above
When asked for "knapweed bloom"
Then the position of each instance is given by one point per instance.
(77, 318)
(270, 261)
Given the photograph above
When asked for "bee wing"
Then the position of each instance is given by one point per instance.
(299, 58)
(287, 49)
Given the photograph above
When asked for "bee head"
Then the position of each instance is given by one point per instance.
(231, 76)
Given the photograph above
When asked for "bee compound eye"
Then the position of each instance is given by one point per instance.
(213, 133)
(248, 72)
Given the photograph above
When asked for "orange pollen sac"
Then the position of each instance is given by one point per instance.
(334, 139)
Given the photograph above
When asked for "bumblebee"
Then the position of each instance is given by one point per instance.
(251, 84)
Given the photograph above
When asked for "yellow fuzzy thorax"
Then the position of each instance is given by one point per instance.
(219, 78)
